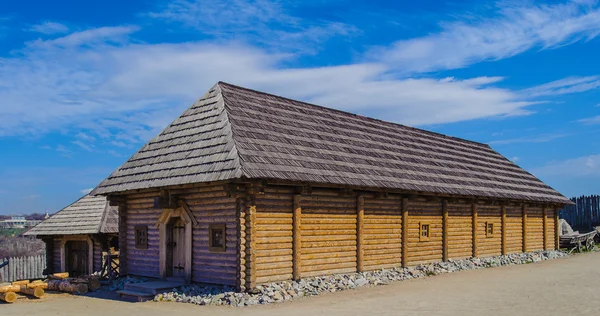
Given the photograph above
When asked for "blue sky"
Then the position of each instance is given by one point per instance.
(84, 85)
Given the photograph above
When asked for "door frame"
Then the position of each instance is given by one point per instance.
(187, 217)
(63, 251)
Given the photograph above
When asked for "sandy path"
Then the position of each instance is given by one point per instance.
(563, 286)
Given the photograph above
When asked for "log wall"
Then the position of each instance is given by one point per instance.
(328, 233)
(333, 231)
(535, 228)
(489, 245)
(208, 204)
(274, 235)
(514, 229)
(460, 231)
(421, 211)
(382, 233)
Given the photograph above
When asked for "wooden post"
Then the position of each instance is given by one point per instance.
(404, 232)
(241, 245)
(545, 224)
(360, 226)
(250, 242)
(503, 229)
(474, 227)
(123, 233)
(524, 210)
(557, 229)
(444, 230)
(297, 238)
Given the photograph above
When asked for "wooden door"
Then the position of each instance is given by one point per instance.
(77, 258)
(176, 248)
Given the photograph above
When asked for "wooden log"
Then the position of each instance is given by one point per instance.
(474, 228)
(21, 282)
(297, 237)
(556, 229)
(524, 214)
(60, 275)
(8, 297)
(404, 232)
(42, 285)
(503, 229)
(444, 230)
(9, 288)
(545, 227)
(360, 232)
(36, 292)
(67, 286)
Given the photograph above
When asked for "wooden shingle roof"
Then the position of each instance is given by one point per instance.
(88, 215)
(234, 132)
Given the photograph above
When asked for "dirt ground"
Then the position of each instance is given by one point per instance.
(564, 286)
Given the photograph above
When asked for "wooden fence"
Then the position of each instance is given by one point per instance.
(20, 268)
(585, 214)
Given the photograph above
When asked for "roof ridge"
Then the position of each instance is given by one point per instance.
(420, 130)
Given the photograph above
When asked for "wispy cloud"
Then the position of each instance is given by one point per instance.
(591, 120)
(514, 29)
(564, 86)
(49, 28)
(257, 21)
(577, 167)
(86, 191)
(31, 197)
(535, 139)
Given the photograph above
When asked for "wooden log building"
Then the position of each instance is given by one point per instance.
(247, 187)
(77, 235)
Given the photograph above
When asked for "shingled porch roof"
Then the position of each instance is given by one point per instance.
(234, 132)
(88, 215)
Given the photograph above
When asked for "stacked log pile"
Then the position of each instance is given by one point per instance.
(60, 282)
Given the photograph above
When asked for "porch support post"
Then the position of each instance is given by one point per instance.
(297, 238)
(360, 235)
(474, 225)
(404, 232)
(445, 230)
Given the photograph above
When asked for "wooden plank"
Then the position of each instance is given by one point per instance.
(444, 230)
(251, 239)
(474, 228)
(524, 212)
(545, 227)
(504, 229)
(556, 230)
(297, 238)
(404, 232)
(360, 234)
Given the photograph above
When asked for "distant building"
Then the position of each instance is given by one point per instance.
(18, 222)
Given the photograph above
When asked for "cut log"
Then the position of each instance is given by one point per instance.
(61, 275)
(42, 285)
(10, 288)
(94, 284)
(8, 297)
(35, 292)
(21, 282)
(67, 286)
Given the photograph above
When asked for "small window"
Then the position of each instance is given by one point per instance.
(489, 229)
(216, 237)
(424, 231)
(141, 236)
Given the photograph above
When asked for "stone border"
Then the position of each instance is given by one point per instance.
(288, 290)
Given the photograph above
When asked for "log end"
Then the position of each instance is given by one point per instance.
(8, 297)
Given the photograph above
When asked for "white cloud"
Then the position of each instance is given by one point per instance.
(515, 159)
(590, 120)
(564, 86)
(49, 27)
(577, 167)
(31, 197)
(86, 191)
(533, 139)
(514, 29)
(257, 21)
(86, 146)
(94, 36)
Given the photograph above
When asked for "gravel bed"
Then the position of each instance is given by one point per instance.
(287, 290)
